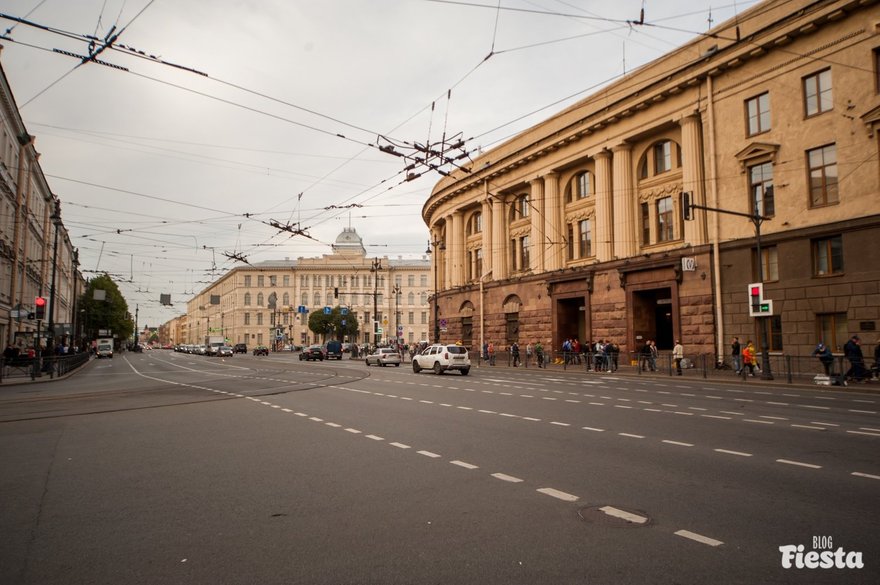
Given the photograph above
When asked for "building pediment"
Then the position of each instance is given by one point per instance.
(757, 152)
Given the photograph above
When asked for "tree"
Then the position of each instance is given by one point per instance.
(110, 313)
(331, 325)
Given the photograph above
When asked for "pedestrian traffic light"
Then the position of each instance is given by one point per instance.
(40, 308)
(687, 211)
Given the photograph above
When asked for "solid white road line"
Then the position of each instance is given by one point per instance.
(699, 538)
(558, 494)
(505, 477)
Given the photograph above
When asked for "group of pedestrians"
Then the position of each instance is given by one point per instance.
(852, 352)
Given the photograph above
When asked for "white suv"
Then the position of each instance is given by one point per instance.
(442, 358)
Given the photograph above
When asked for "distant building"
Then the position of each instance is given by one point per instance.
(574, 228)
(238, 305)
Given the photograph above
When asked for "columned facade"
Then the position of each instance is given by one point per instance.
(606, 253)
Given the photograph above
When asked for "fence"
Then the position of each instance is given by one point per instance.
(788, 368)
(46, 366)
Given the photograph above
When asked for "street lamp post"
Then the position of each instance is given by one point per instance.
(441, 246)
(396, 292)
(375, 268)
(56, 221)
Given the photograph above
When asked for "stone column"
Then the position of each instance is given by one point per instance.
(539, 243)
(487, 238)
(458, 251)
(693, 178)
(625, 244)
(499, 239)
(554, 226)
(604, 229)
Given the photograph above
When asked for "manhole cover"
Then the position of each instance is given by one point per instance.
(614, 516)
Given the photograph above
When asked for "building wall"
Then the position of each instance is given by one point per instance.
(619, 162)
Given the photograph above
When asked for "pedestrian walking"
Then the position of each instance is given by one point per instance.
(539, 354)
(825, 357)
(749, 359)
(514, 354)
(852, 351)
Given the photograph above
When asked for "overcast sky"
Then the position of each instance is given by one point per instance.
(164, 173)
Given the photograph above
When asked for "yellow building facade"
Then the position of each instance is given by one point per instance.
(575, 227)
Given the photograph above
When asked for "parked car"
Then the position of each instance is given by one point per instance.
(261, 350)
(224, 351)
(239, 348)
(384, 356)
(333, 350)
(443, 358)
(312, 352)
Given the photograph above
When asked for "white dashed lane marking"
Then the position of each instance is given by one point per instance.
(698, 538)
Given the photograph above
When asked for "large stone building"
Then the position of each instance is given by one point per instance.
(238, 305)
(35, 246)
(574, 228)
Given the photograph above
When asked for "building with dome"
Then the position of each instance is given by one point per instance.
(268, 303)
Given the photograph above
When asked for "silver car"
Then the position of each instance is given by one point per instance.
(384, 356)
(224, 351)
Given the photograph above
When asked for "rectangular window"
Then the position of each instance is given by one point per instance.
(411, 318)
(273, 280)
(261, 281)
(758, 113)
(423, 280)
(259, 318)
(585, 239)
(478, 263)
(411, 280)
(775, 341)
(822, 164)
(524, 252)
(424, 318)
(524, 206)
(247, 280)
(761, 186)
(570, 247)
(769, 265)
(286, 280)
(583, 185)
(832, 330)
(817, 93)
(877, 70)
(665, 227)
(828, 256)
(646, 224)
(247, 318)
(513, 247)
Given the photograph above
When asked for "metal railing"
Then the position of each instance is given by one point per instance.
(37, 367)
(787, 368)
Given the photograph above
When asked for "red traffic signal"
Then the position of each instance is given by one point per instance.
(40, 308)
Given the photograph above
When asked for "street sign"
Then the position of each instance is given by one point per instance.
(379, 331)
(399, 330)
(327, 310)
(302, 309)
(344, 311)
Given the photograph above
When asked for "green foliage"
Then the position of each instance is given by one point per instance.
(111, 313)
(331, 327)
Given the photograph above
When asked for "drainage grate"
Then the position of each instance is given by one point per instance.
(614, 516)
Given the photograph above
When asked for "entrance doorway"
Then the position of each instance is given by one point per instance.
(652, 317)
(570, 320)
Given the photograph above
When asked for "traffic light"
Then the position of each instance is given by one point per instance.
(758, 305)
(40, 308)
(336, 293)
(687, 211)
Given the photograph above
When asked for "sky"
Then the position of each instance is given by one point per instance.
(235, 131)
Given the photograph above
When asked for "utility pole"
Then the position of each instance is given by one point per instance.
(376, 267)
(757, 219)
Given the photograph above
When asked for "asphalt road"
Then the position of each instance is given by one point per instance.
(168, 468)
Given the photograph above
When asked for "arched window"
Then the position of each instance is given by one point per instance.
(259, 299)
(247, 299)
(475, 224)
(662, 157)
(411, 299)
(285, 300)
(305, 299)
(582, 185)
(317, 299)
(329, 299)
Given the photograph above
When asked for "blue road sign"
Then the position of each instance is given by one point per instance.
(327, 310)
(344, 311)
(302, 309)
